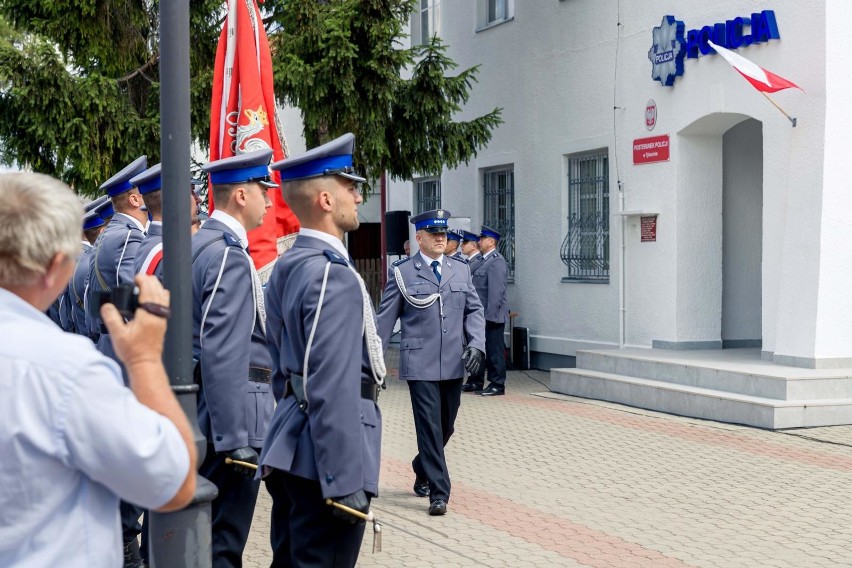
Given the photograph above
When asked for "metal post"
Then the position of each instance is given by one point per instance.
(180, 539)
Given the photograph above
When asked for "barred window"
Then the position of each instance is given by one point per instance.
(428, 194)
(499, 186)
(585, 250)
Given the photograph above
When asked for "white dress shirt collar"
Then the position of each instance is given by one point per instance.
(134, 220)
(429, 260)
(232, 224)
(335, 243)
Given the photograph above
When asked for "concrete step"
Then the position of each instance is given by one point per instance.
(727, 371)
(700, 402)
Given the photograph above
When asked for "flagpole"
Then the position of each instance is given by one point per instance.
(792, 119)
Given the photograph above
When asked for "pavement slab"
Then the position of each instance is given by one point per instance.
(543, 479)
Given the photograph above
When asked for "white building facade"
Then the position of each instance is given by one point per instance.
(739, 237)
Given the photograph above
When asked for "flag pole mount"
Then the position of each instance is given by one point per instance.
(792, 119)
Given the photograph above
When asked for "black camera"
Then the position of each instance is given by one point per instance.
(125, 298)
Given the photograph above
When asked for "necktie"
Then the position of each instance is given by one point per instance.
(434, 265)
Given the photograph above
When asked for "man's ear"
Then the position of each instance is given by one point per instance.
(326, 200)
(239, 196)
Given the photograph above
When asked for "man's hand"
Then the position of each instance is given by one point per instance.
(141, 339)
(357, 501)
(472, 358)
(246, 454)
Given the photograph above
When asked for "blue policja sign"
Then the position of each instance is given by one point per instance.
(671, 44)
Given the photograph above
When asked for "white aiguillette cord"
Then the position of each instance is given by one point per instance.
(419, 303)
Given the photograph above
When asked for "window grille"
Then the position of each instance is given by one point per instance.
(585, 250)
(428, 194)
(499, 186)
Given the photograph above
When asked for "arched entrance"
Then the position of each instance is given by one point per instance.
(719, 233)
(742, 234)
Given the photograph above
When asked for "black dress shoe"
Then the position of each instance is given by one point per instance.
(494, 390)
(421, 487)
(131, 555)
(438, 507)
(471, 387)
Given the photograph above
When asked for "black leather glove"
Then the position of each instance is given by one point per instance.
(357, 501)
(246, 454)
(472, 358)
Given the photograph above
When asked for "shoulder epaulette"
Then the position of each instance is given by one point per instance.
(462, 260)
(401, 261)
(231, 240)
(334, 257)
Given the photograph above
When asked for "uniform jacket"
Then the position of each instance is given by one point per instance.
(489, 277)
(337, 440)
(227, 339)
(73, 316)
(431, 348)
(150, 252)
(111, 264)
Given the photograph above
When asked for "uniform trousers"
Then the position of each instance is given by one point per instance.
(495, 353)
(435, 405)
(304, 532)
(232, 510)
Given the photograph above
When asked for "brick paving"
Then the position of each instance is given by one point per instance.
(541, 479)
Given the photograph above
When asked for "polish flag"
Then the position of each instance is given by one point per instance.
(761, 79)
(243, 118)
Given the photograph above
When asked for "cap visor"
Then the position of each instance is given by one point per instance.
(268, 183)
(436, 230)
(353, 177)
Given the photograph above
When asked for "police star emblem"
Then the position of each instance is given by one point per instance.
(440, 213)
(667, 51)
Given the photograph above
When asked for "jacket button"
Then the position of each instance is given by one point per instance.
(219, 438)
(445, 331)
(329, 478)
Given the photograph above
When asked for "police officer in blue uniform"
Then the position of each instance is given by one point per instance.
(93, 224)
(325, 437)
(111, 265)
(470, 249)
(454, 244)
(150, 252)
(442, 335)
(229, 342)
(490, 278)
(76, 292)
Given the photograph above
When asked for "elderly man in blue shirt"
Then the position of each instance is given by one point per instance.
(73, 439)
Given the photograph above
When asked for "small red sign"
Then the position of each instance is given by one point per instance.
(649, 150)
(649, 229)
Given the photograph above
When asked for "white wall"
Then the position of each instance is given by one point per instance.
(559, 68)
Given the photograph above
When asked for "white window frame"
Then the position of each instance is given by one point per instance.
(430, 11)
(490, 13)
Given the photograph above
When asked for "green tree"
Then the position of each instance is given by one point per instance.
(342, 63)
(79, 88)
(79, 84)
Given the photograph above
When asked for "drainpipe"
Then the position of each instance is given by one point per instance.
(622, 301)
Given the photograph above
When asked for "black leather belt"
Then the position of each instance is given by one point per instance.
(369, 391)
(260, 375)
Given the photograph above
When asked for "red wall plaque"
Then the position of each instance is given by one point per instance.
(649, 229)
(649, 150)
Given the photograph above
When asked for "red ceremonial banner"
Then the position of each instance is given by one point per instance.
(243, 116)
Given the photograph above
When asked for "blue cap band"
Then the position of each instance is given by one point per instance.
(431, 224)
(93, 223)
(119, 189)
(493, 235)
(316, 167)
(453, 236)
(239, 175)
(107, 211)
(149, 186)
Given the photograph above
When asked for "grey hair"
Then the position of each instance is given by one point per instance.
(40, 217)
